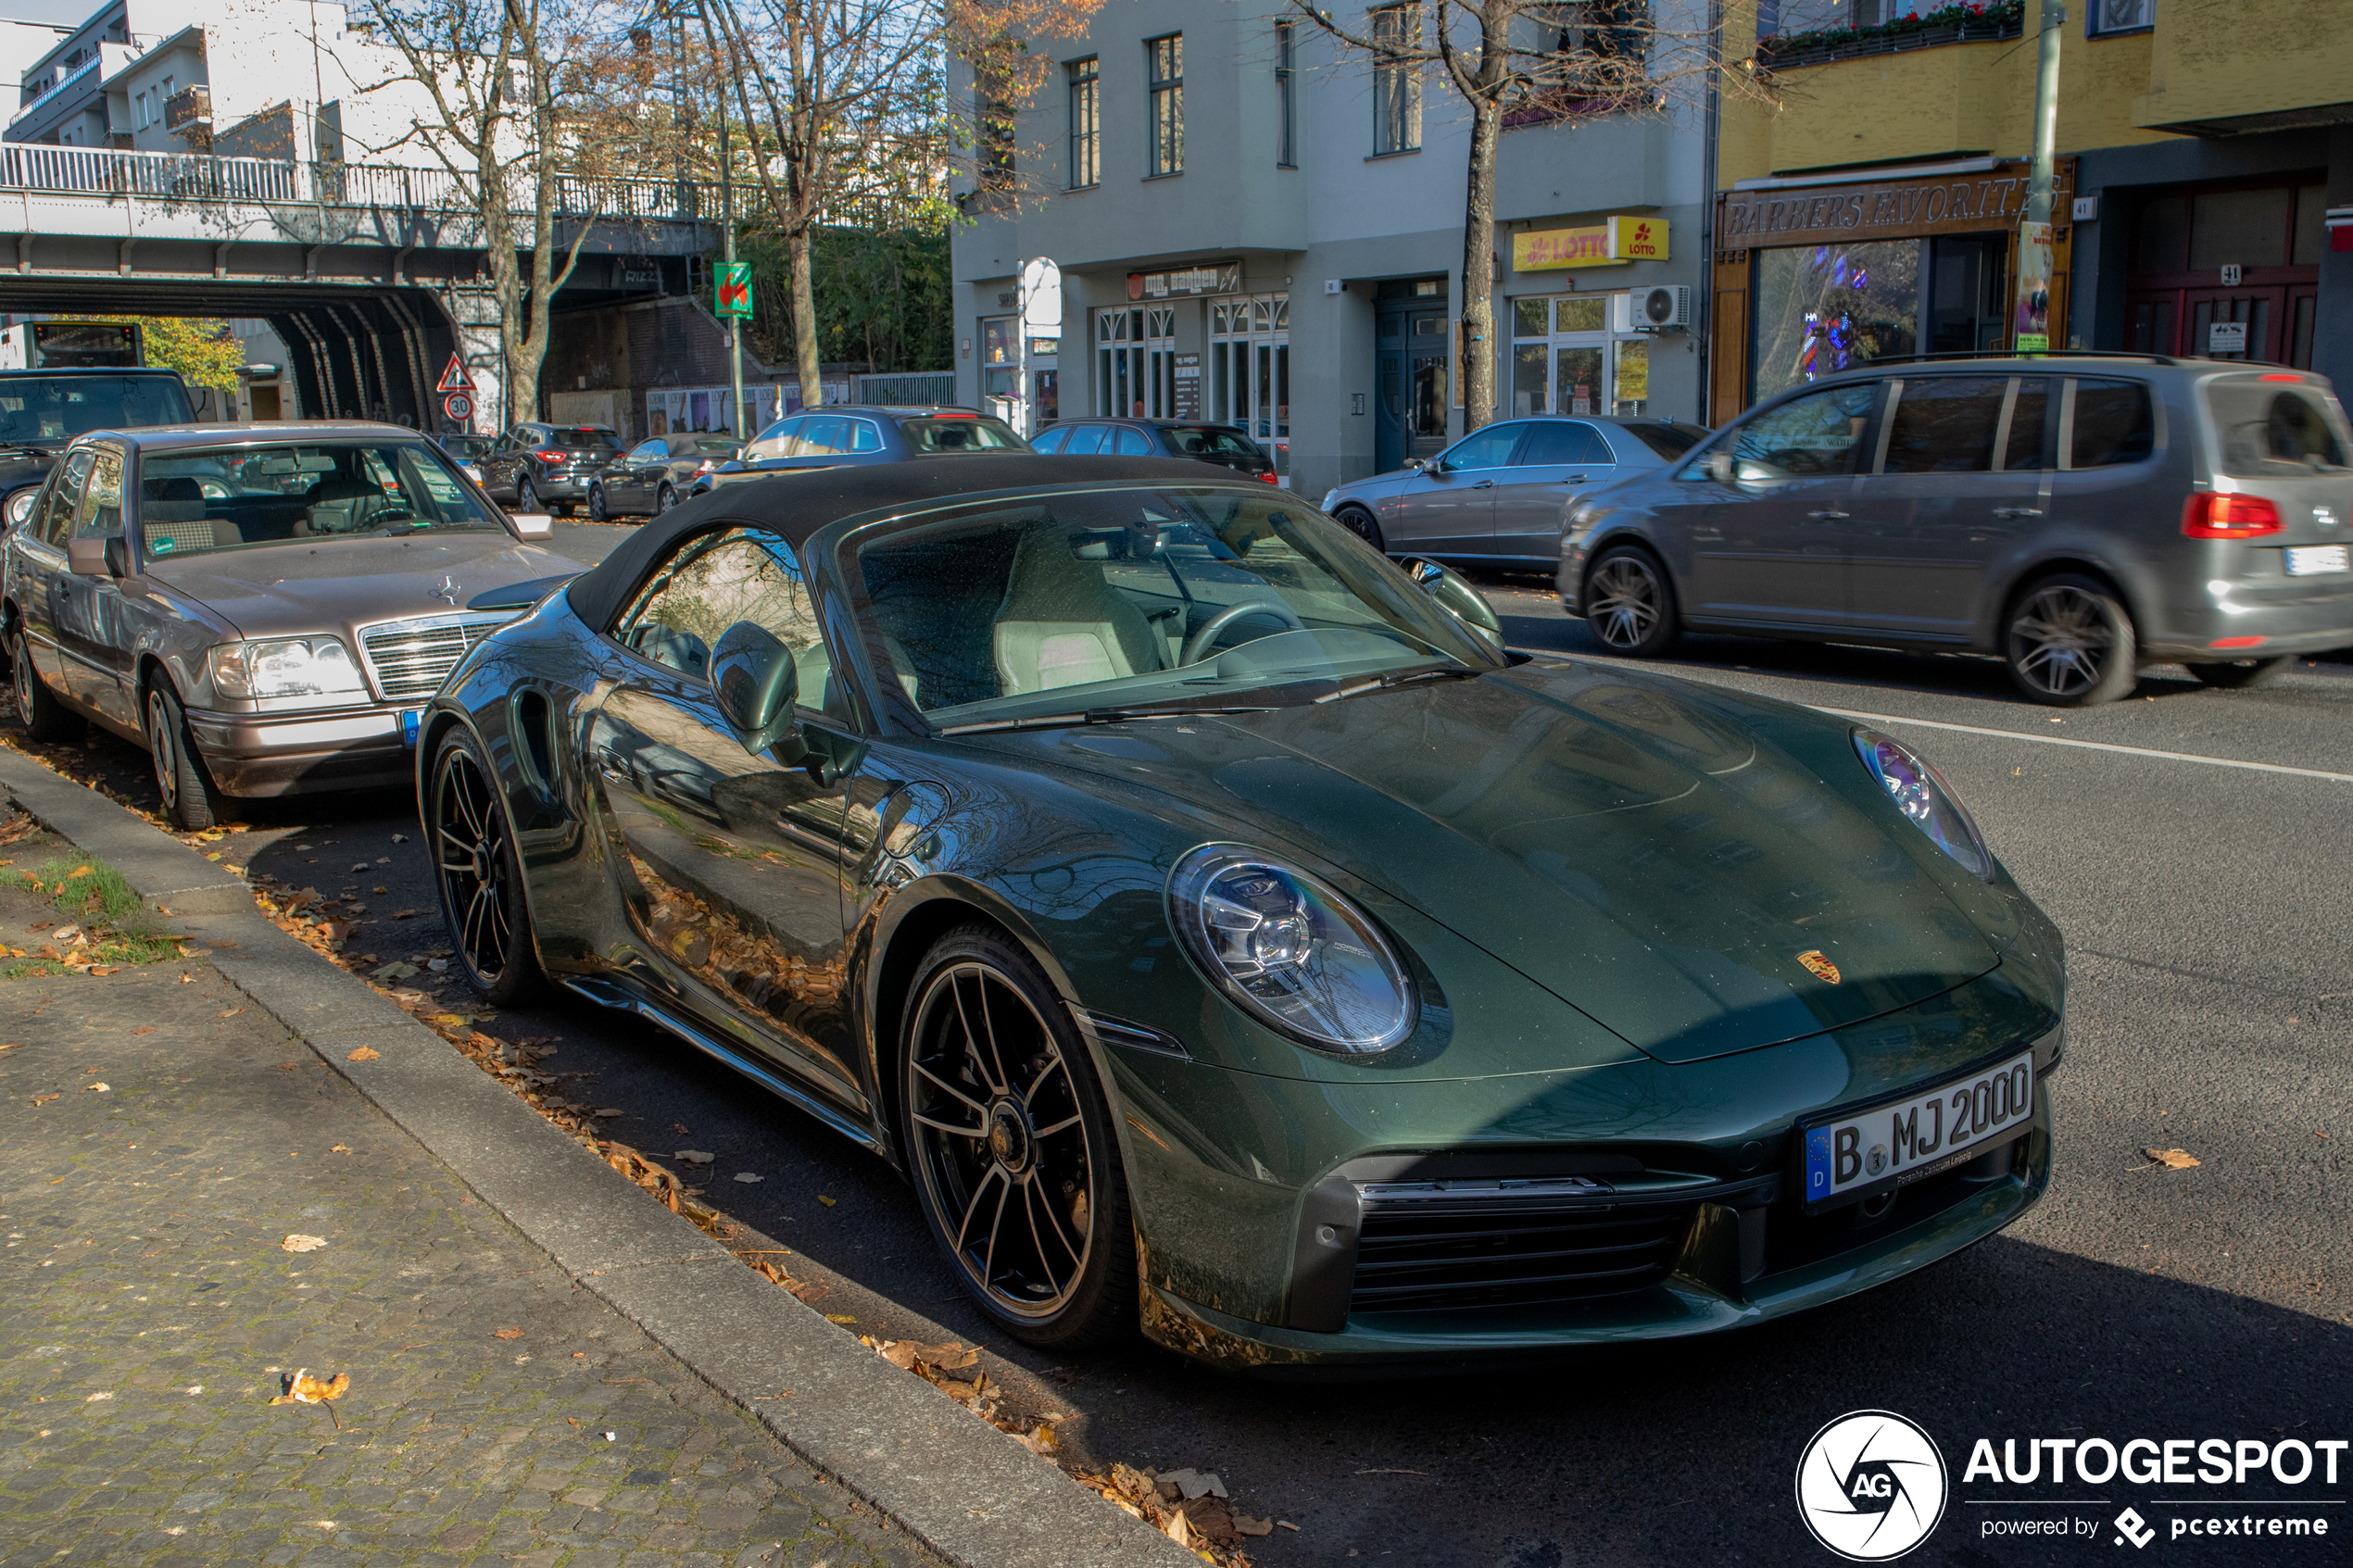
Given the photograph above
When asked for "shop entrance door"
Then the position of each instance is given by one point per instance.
(2249, 318)
(1411, 365)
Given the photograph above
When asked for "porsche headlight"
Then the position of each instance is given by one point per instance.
(284, 667)
(19, 505)
(1922, 794)
(1290, 951)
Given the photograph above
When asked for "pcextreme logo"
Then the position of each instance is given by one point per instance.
(1872, 1486)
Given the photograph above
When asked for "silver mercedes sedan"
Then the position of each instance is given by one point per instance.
(264, 607)
(1501, 494)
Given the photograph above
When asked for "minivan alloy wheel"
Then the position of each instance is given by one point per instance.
(2070, 643)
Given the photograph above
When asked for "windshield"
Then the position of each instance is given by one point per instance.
(199, 500)
(1669, 441)
(1140, 595)
(967, 434)
(2269, 428)
(1211, 441)
(57, 409)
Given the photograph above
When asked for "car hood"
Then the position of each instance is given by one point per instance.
(337, 583)
(1634, 846)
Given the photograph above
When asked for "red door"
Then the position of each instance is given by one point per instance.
(2249, 320)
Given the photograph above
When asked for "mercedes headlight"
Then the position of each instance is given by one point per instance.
(1290, 951)
(1922, 794)
(284, 667)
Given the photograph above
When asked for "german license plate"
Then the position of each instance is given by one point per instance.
(1848, 1154)
(2313, 560)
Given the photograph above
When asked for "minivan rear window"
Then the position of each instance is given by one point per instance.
(2268, 428)
(2113, 424)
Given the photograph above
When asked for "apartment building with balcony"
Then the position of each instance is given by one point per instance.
(2206, 185)
(1257, 227)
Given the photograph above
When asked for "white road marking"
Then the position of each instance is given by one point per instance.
(2095, 746)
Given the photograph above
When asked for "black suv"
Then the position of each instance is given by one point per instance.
(41, 410)
(845, 434)
(548, 467)
(1226, 445)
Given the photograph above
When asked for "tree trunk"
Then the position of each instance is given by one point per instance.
(1478, 266)
(804, 318)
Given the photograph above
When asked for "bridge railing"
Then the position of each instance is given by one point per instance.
(199, 177)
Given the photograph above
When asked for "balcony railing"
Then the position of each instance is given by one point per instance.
(1972, 21)
(188, 110)
(63, 82)
(196, 177)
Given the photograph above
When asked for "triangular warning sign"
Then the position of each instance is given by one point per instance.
(455, 378)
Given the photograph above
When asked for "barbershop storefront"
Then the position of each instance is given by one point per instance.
(1819, 273)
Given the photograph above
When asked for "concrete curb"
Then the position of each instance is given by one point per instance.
(963, 1488)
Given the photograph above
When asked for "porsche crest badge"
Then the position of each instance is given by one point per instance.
(1819, 966)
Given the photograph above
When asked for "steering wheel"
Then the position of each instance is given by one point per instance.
(1199, 642)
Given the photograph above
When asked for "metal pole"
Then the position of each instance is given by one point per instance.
(2031, 324)
(737, 426)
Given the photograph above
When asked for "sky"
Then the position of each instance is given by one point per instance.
(64, 13)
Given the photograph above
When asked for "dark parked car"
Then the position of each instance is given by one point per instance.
(847, 435)
(1226, 938)
(2078, 515)
(548, 468)
(263, 607)
(656, 474)
(469, 450)
(1501, 496)
(1225, 445)
(41, 410)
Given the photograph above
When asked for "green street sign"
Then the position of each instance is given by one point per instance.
(734, 294)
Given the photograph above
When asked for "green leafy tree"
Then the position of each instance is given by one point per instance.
(198, 347)
(881, 295)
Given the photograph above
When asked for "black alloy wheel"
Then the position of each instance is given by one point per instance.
(38, 709)
(1628, 605)
(1011, 1143)
(664, 499)
(2070, 643)
(478, 874)
(2241, 674)
(189, 797)
(596, 512)
(1360, 522)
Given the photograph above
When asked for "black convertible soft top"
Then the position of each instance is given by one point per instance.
(798, 505)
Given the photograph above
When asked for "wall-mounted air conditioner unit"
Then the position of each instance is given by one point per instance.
(1667, 308)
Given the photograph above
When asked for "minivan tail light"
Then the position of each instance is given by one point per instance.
(2224, 515)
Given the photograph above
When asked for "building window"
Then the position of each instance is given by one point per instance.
(1397, 82)
(1086, 123)
(999, 354)
(1287, 94)
(1165, 59)
(144, 119)
(1577, 353)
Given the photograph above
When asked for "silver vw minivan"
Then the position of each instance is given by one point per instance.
(2078, 514)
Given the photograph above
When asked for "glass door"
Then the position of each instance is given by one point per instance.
(1119, 367)
(1250, 372)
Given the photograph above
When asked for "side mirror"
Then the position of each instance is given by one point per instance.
(1720, 466)
(87, 557)
(1413, 465)
(1458, 598)
(756, 682)
(533, 525)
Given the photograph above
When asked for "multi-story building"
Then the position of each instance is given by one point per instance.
(2206, 185)
(1253, 225)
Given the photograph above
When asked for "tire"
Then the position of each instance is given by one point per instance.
(596, 511)
(188, 798)
(664, 499)
(2069, 643)
(1629, 604)
(2241, 674)
(1360, 522)
(38, 709)
(526, 498)
(1000, 1098)
(478, 875)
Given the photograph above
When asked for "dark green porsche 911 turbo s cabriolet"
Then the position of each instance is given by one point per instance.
(1223, 934)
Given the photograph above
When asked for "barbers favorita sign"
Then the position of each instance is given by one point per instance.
(1872, 1484)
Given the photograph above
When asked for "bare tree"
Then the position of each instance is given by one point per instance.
(516, 94)
(1535, 60)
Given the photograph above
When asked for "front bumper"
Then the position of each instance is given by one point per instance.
(303, 753)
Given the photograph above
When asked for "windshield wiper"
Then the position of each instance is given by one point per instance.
(1400, 677)
(1101, 716)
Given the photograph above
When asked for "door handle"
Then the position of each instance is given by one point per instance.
(1484, 485)
(1828, 516)
(2008, 512)
(1572, 479)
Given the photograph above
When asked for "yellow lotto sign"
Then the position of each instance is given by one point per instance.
(1613, 244)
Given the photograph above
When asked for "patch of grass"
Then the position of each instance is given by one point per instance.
(88, 893)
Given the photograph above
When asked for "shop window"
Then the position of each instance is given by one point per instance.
(1250, 372)
(1578, 354)
(1820, 308)
(999, 354)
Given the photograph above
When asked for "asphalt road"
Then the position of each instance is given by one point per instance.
(2212, 1011)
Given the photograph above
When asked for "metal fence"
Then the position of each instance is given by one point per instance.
(915, 389)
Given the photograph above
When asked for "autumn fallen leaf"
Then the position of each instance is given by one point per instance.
(2171, 1159)
(301, 1388)
(299, 1243)
(506, 1334)
(365, 1053)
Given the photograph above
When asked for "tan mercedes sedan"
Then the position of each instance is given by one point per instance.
(264, 607)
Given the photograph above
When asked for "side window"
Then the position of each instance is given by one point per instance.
(2112, 424)
(1563, 442)
(864, 436)
(716, 579)
(65, 491)
(1944, 425)
(99, 515)
(1134, 442)
(2029, 413)
(1086, 440)
(785, 437)
(1818, 433)
(824, 436)
(1488, 448)
(1051, 440)
(652, 451)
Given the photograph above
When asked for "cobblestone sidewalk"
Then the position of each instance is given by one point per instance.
(161, 1146)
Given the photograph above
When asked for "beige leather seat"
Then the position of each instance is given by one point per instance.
(1062, 625)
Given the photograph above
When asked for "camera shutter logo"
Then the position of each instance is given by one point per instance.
(1872, 1486)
